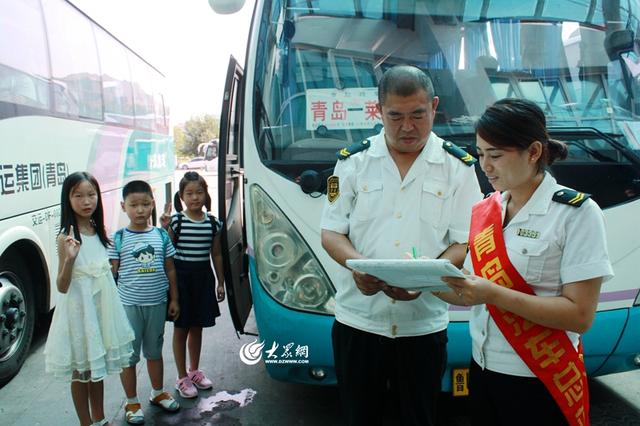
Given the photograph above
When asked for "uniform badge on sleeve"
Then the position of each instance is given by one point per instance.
(333, 188)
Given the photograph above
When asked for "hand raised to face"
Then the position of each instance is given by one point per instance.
(165, 218)
(71, 245)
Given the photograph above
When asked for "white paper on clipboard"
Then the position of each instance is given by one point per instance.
(410, 274)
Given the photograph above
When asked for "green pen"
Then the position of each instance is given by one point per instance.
(414, 252)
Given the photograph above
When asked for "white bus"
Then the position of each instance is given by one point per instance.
(72, 97)
(309, 88)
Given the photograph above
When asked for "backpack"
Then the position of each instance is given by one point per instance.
(117, 240)
(212, 220)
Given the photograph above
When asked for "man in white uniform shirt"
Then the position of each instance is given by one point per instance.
(402, 189)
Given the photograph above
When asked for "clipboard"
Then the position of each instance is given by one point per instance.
(410, 274)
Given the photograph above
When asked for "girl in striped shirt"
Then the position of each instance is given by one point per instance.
(196, 237)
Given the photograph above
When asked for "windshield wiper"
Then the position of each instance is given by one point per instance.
(262, 118)
(592, 152)
(562, 133)
(592, 131)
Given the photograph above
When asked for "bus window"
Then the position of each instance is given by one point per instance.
(74, 61)
(161, 124)
(23, 77)
(116, 80)
(144, 108)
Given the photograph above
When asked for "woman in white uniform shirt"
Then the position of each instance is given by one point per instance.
(538, 253)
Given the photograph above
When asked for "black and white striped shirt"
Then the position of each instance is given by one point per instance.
(194, 238)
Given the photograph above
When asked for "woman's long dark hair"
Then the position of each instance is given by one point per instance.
(68, 216)
(187, 179)
(517, 123)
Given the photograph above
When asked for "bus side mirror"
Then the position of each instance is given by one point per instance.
(617, 42)
(226, 7)
(211, 153)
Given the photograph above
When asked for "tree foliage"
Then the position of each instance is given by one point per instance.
(195, 131)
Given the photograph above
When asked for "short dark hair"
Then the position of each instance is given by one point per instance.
(136, 187)
(517, 123)
(404, 80)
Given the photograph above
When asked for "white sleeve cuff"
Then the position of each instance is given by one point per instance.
(458, 237)
(587, 271)
(335, 226)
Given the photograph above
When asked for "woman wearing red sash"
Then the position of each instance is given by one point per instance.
(538, 255)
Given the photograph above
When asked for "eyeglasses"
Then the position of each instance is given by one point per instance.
(413, 116)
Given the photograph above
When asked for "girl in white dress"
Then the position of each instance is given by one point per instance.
(90, 335)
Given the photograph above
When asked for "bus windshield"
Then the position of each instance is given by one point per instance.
(315, 79)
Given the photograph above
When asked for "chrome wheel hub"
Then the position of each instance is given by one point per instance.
(13, 315)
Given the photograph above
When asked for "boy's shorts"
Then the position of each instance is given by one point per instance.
(148, 326)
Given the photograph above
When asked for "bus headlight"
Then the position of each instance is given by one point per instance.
(287, 268)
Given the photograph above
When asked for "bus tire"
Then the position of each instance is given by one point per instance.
(17, 316)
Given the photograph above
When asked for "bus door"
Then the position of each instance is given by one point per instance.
(231, 200)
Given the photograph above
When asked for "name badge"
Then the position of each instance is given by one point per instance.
(528, 233)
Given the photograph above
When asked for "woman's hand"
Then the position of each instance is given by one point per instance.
(220, 292)
(471, 290)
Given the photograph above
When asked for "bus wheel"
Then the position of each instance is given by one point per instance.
(17, 316)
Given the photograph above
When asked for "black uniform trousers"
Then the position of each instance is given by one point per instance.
(497, 399)
(383, 380)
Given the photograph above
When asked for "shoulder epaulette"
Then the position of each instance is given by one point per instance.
(571, 197)
(345, 153)
(459, 153)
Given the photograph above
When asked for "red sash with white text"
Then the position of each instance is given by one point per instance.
(547, 352)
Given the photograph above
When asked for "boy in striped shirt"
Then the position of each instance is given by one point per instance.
(142, 259)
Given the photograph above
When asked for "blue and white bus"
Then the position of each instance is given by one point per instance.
(72, 97)
(308, 88)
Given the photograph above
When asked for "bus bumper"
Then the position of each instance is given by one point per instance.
(612, 344)
(458, 351)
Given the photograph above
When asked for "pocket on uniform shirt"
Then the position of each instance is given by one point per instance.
(434, 203)
(528, 257)
(368, 201)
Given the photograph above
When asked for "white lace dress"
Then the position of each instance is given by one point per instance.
(90, 335)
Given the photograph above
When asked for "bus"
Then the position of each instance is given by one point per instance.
(308, 89)
(72, 97)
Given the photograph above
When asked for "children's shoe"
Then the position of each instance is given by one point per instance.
(133, 414)
(199, 379)
(166, 402)
(185, 388)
